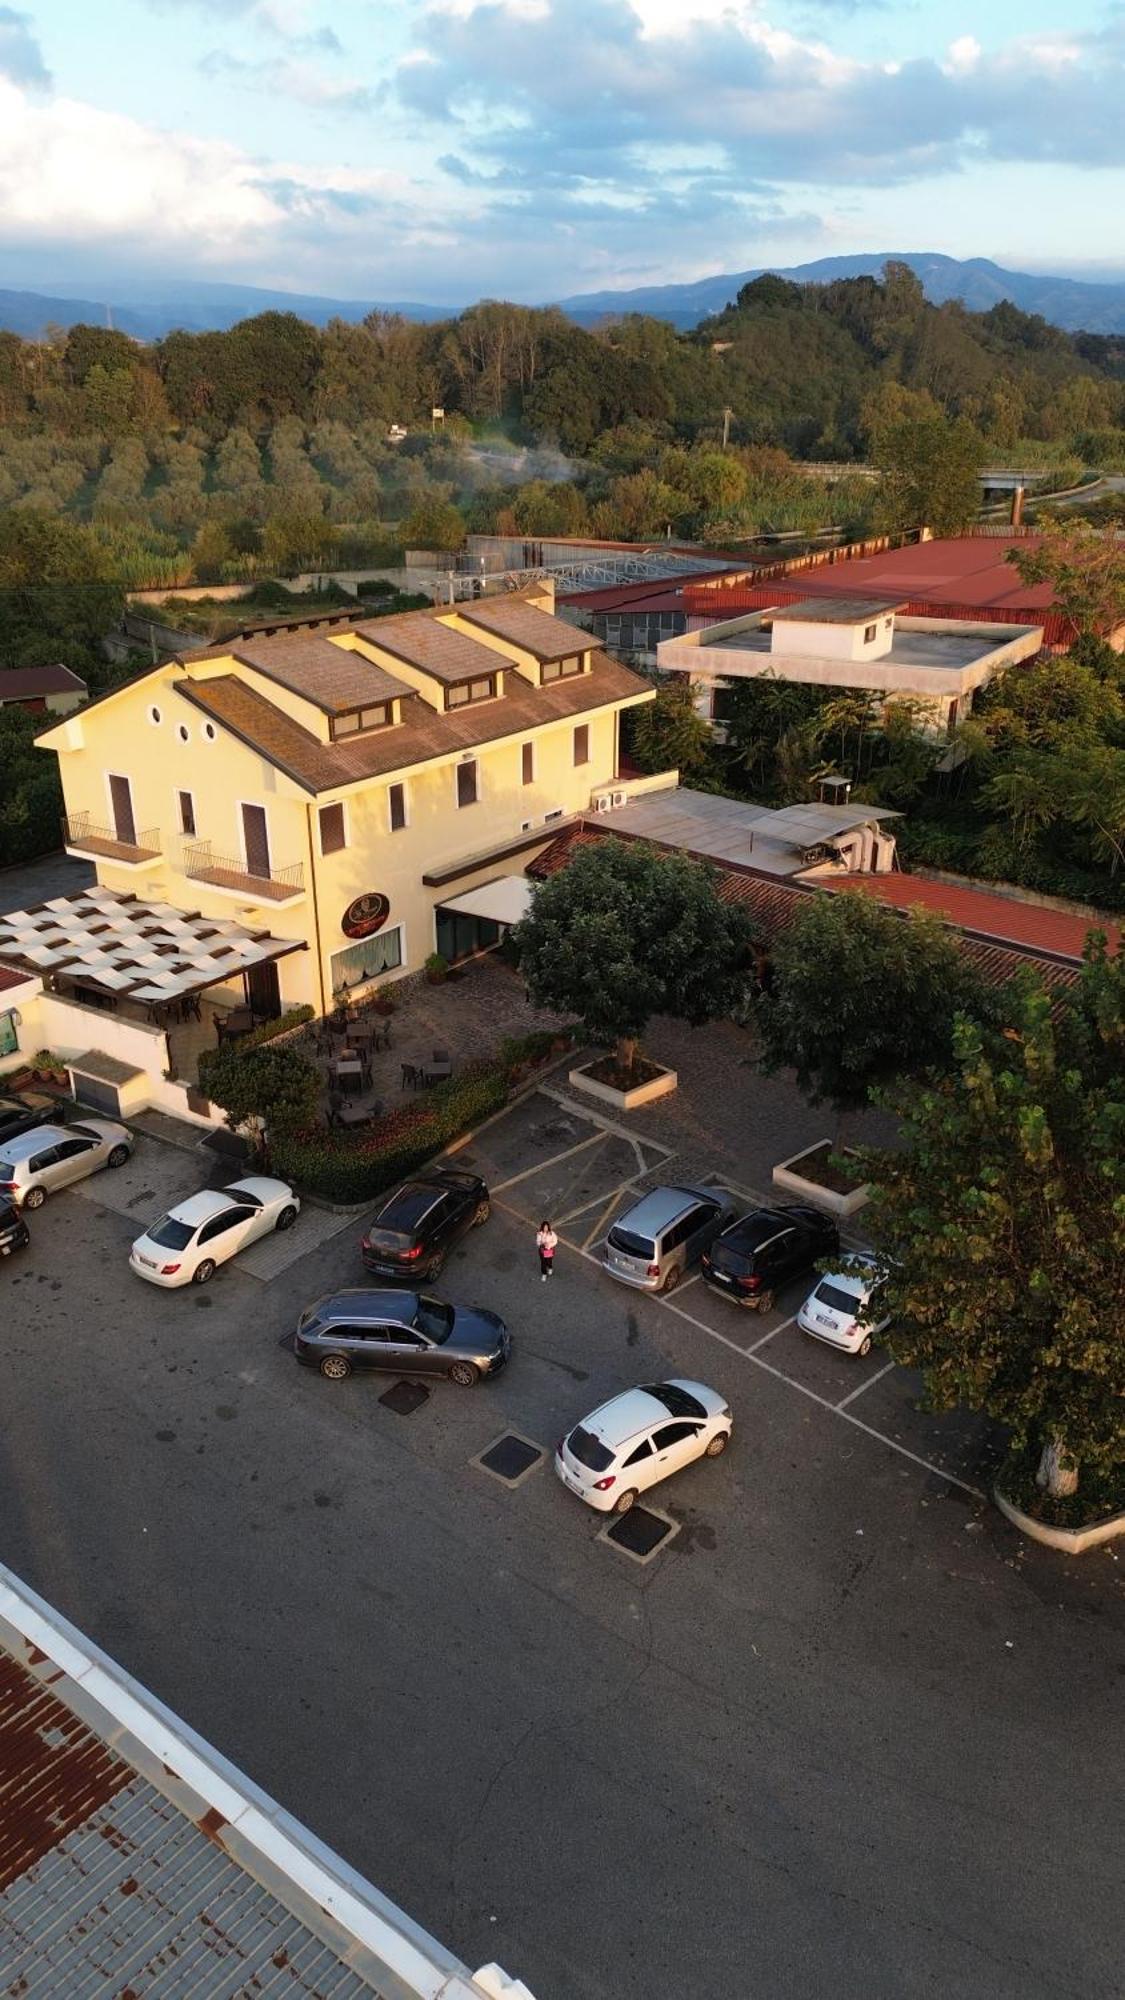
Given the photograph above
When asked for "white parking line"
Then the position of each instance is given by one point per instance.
(604, 1212)
(770, 1334)
(864, 1386)
(589, 1117)
(779, 1375)
(541, 1166)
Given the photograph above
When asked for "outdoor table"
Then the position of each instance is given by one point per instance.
(353, 1114)
(349, 1075)
(436, 1072)
(239, 1021)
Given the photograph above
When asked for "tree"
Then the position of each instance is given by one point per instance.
(930, 470)
(622, 933)
(861, 996)
(1004, 1215)
(271, 1086)
(434, 523)
(1086, 572)
(58, 596)
(669, 734)
(31, 800)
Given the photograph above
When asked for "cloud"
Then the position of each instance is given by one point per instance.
(295, 77)
(20, 57)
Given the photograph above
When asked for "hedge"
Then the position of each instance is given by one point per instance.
(351, 1167)
(282, 1024)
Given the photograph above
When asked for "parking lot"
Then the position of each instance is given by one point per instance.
(840, 1729)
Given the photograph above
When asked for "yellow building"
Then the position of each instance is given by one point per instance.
(365, 794)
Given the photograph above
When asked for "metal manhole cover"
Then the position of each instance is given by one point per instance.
(510, 1458)
(405, 1397)
(639, 1533)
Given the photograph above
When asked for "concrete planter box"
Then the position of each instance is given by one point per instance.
(1071, 1541)
(789, 1176)
(624, 1100)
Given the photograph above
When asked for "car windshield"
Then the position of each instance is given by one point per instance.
(588, 1449)
(434, 1318)
(835, 1296)
(675, 1400)
(87, 1131)
(170, 1233)
(633, 1246)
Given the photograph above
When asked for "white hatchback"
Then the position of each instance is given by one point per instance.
(843, 1311)
(187, 1244)
(639, 1438)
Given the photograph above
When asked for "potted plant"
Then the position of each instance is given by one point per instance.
(436, 969)
(47, 1067)
(384, 1001)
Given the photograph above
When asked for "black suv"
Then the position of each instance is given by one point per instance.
(13, 1229)
(23, 1114)
(764, 1249)
(411, 1235)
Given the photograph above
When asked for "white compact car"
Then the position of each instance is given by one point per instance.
(843, 1311)
(639, 1438)
(187, 1244)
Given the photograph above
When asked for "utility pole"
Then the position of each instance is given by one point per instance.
(727, 415)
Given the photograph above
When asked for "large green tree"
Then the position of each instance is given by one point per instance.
(1003, 1217)
(1086, 571)
(58, 596)
(272, 1087)
(623, 933)
(669, 734)
(931, 473)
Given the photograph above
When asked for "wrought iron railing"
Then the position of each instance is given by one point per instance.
(225, 871)
(80, 830)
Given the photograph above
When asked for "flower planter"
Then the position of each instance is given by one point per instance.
(1070, 1541)
(660, 1084)
(840, 1202)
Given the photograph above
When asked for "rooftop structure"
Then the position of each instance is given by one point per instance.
(796, 840)
(54, 689)
(135, 1860)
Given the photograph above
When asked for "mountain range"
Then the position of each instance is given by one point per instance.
(150, 308)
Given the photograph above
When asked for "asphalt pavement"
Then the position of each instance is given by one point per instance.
(844, 1732)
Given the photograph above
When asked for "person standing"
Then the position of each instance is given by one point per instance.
(546, 1242)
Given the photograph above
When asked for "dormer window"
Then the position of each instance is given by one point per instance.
(357, 721)
(461, 693)
(561, 670)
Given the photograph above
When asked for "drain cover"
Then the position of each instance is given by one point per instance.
(510, 1457)
(638, 1532)
(405, 1397)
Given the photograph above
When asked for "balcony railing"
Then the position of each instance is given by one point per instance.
(80, 832)
(224, 871)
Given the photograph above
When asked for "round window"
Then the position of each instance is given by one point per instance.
(154, 715)
(209, 731)
(184, 733)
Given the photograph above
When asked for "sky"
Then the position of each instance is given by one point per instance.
(447, 150)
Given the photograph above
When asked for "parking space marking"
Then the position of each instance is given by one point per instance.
(606, 1212)
(864, 1386)
(542, 1166)
(759, 1361)
(587, 1116)
(770, 1334)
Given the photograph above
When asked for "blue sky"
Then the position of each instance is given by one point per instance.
(443, 150)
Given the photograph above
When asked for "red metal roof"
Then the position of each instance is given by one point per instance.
(1010, 920)
(664, 595)
(10, 977)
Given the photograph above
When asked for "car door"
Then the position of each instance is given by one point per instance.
(71, 1161)
(794, 1253)
(441, 1223)
(364, 1343)
(257, 1221)
(675, 1445)
(409, 1352)
(639, 1468)
(224, 1234)
(702, 1228)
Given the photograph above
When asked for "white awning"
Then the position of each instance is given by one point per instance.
(504, 901)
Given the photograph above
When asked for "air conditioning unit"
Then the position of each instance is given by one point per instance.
(618, 799)
(603, 802)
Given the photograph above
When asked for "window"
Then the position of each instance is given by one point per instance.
(154, 717)
(359, 719)
(467, 783)
(209, 731)
(670, 1434)
(9, 1040)
(582, 743)
(396, 806)
(184, 733)
(527, 755)
(463, 692)
(644, 1450)
(187, 812)
(869, 632)
(358, 964)
(556, 670)
(332, 834)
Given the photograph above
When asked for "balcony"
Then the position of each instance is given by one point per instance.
(103, 843)
(231, 877)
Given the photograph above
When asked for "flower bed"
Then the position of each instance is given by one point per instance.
(816, 1175)
(1100, 1495)
(625, 1089)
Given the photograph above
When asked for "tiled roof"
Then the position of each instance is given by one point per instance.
(421, 735)
(332, 677)
(420, 638)
(539, 634)
(24, 683)
(1005, 920)
(9, 977)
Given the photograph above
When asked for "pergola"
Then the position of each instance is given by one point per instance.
(138, 951)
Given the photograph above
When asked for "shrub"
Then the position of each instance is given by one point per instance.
(282, 1024)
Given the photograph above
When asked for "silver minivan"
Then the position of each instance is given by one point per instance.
(34, 1164)
(653, 1243)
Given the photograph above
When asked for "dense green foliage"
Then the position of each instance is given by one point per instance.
(269, 1083)
(624, 932)
(31, 800)
(1004, 1214)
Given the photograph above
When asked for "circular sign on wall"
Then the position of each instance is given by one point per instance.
(366, 915)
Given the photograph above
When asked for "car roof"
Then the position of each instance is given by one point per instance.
(661, 1206)
(359, 1302)
(408, 1204)
(634, 1410)
(763, 1223)
(202, 1206)
(849, 1281)
(22, 1145)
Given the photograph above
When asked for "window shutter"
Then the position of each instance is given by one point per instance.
(331, 829)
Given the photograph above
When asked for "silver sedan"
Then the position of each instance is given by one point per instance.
(35, 1163)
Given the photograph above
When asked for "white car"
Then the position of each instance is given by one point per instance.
(839, 1311)
(185, 1246)
(639, 1438)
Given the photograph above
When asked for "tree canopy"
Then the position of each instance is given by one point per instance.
(271, 1085)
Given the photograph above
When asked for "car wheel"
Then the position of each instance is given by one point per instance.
(203, 1272)
(335, 1367)
(625, 1501)
(118, 1156)
(764, 1301)
(671, 1281)
(287, 1218)
(864, 1345)
(718, 1444)
(484, 1210)
(464, 1374)
(34, 1198)
(432, 1270)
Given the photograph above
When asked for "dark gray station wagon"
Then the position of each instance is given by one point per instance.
(409, 1333)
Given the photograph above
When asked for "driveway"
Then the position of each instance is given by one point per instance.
(843, 1732)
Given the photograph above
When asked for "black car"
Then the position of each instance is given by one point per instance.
(14, 1233)
(23, 1114)
(410, 1333)
(763, 1250)
(413, 1232)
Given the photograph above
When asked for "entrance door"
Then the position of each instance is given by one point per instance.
(256, 840)
(121, 798)
(262, 991)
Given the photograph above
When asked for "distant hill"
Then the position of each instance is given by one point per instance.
(149, 309)
(979, 284)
